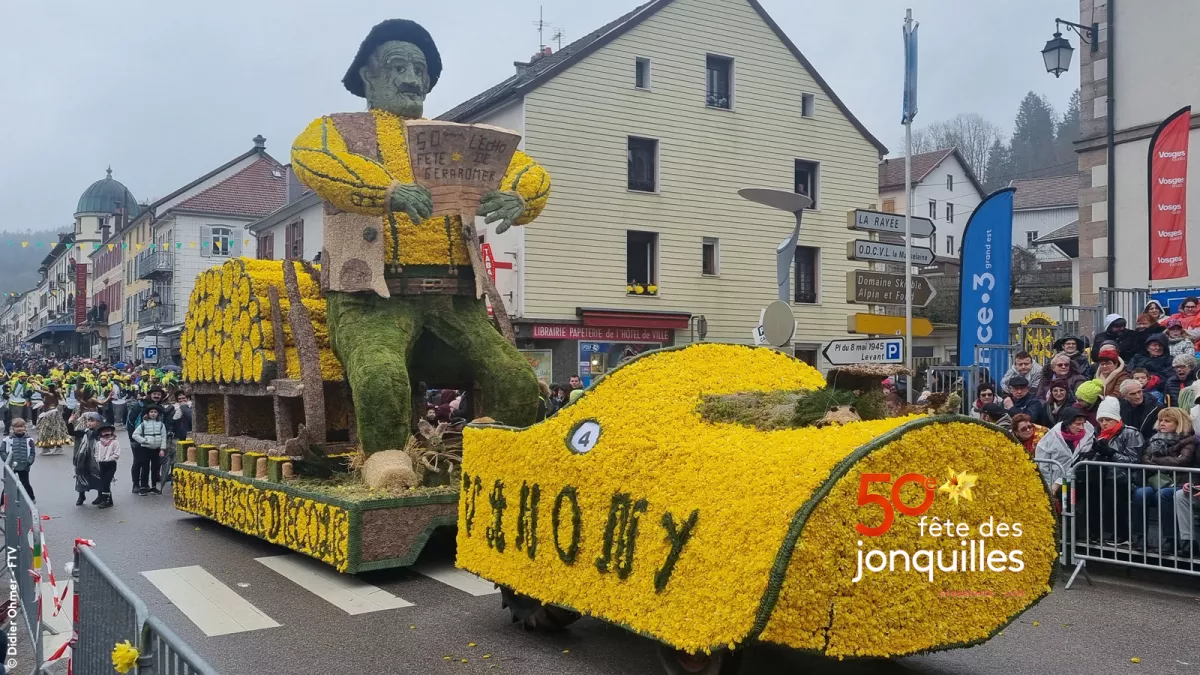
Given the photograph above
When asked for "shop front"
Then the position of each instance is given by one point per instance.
(596, 343)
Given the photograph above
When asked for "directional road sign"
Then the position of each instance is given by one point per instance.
(861, 249)
(851, 352)
(892, 223)
(882, 324)
(879, 288)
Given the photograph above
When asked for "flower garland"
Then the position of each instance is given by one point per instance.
(683, 529)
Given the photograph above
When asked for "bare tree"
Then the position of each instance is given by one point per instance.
(969, 132)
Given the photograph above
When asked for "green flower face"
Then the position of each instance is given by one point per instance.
(397, 79)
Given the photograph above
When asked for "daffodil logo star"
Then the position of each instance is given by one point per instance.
(959, 485)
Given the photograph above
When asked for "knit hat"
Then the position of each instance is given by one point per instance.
(1089, 391)
(1184, 360)
(1174, 323)
(1111, 319)
(1060, 383)
(1108, 351)
(1109, 408)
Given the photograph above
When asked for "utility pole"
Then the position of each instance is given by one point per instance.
(910, 111)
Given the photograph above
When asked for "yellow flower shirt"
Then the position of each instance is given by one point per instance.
(358, 183)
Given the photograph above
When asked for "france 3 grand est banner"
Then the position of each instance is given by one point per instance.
(985, 292)
(1168, 197)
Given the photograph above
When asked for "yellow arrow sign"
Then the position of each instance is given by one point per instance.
(880, 324)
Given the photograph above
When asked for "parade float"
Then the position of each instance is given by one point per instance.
(708, 497)
(641, 506)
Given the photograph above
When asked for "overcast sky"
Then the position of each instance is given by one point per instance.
(166, 91)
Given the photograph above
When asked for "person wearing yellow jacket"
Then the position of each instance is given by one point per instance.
(397, 280)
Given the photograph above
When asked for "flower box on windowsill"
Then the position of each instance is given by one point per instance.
(639, 289)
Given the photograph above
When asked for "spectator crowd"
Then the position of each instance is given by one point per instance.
(1127, 396)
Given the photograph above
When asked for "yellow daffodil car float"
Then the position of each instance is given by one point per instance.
(869, 539)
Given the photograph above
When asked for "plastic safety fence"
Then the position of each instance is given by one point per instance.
(107, 613)
(1133, 515)
(168, 654)
(22, 529)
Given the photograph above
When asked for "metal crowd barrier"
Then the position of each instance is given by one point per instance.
(23, 560)
(953, 379)
(1133, 515)
(107, 612)
(1128, 302)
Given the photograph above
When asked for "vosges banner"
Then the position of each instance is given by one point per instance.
(1168, 197)
(983, 296)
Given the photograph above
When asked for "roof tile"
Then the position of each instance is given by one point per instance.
(255, 191)
(1044, 193)
(891, 171)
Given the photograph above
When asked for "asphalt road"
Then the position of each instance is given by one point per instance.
(1086, 630)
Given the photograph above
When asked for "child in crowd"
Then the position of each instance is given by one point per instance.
(18, 450)
(1143, 377)
(108, 451)
(151, 438)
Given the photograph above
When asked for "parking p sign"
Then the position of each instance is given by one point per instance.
(851, 352)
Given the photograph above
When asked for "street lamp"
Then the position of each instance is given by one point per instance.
(1058, 50)
(794, 203)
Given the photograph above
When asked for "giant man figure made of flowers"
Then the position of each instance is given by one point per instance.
(398, 280)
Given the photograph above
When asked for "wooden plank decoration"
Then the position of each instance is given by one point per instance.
(310, 362)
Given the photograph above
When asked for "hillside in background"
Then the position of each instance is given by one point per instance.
(18, 265)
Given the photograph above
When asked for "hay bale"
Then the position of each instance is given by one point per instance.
(389, 469)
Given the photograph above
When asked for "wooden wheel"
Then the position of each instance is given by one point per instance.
(534, 615)
(676, 662)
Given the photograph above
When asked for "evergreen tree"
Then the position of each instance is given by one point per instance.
(999, 167)
(1032, 147)
(1065, 136)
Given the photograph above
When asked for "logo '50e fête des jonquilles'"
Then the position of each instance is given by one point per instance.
(956, 547)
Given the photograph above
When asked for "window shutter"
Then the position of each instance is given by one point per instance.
(288, 233)
(206, 241)
(299, 240)
(271, 246)
(235, 242)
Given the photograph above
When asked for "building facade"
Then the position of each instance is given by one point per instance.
(1042, 206)
(294, 231)
(945, 190)
(1141, 73)
(198, 226)
(648, 127)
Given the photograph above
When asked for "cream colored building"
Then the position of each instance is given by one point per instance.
(648, 127)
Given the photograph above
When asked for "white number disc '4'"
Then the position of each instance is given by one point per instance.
(584, 437)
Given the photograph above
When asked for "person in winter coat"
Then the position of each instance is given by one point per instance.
(1184, 366)
(1174, 446)
(1145, 326)
(1178, 340)
(1060, 398)
(151, 439)
(1021, 400)
(1107, 489)
(1138, 410)
(1110, 370)
(1155, 311)
(994, 413)
(19, 451)
(1024, 367)
(1064, 444)
(1155, 359)
(179, 422)
(1061, 367)
(108, 451)
(1076, 349)
(1116, 331)
(1027, 432)
(87, 468)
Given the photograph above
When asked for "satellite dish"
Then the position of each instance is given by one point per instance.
(779, 325)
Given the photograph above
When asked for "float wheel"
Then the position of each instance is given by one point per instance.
(676, 662)
(533, 614)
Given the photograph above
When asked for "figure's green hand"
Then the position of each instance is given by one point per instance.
(501, 207)
(413, 200)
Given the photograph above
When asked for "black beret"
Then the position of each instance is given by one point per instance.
(1019, 381)
(393, 29)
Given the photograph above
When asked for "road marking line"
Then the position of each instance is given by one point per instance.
(210, 604)
(463, 580)
(343, 591)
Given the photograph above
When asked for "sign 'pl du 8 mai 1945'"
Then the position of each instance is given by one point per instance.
(892, 223)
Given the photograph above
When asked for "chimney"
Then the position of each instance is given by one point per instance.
(294, 189)
(521, 67)
(260, 143)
